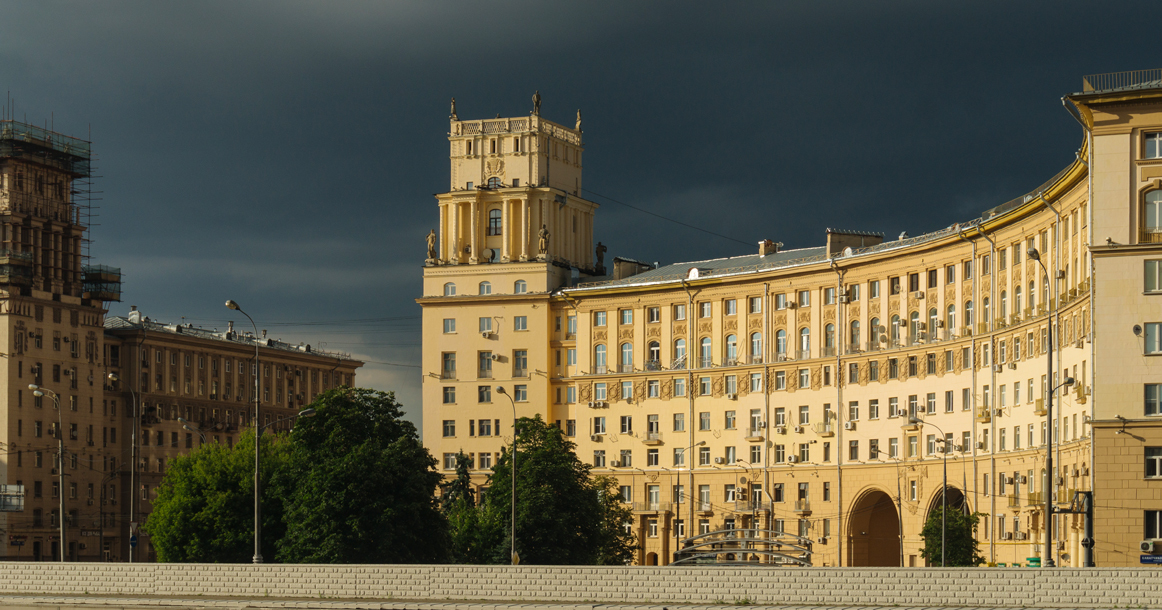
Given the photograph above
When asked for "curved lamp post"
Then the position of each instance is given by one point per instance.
(133, 452)
(943, 492)
(186, 425)
(257, 441)
(899, 502)
(60, 455)
(512, 533)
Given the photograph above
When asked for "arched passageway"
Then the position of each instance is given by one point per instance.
(874, 531)
(651, 559)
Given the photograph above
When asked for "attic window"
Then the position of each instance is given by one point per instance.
(693, 274)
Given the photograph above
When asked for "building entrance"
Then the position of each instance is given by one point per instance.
(874, 531)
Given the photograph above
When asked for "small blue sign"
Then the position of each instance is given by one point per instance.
(1150, 559)
(133, 542)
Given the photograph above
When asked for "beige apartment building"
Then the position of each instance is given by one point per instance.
(53, 320)
(776, 389)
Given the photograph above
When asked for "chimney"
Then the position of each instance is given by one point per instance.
(767, 246)
(230, 326)
(134, 315)
(264, 333)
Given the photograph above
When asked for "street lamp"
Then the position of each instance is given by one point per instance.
(132, 454)
(689, 494)
(899, 503)
(60, 455)
(513, 558)
(186, 425)
(1049, 429)
(257, 442)
(943, 492)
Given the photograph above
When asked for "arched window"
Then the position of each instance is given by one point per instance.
(599, 361)
(1152, 216)
(914, 327)
(485, 288)
(933, 323)
(756, 347)
(520, 287)
(731, 348)
(968, 321)
(704, 354)
(626, 357)
(895, 330)
(494, 182)
(655, 356)
(494, 222)
(950, 318)
(985, 319)
(1017, 300)
(853, 335)
(804, 342)
(873, 334)
(1045, 292)
(679, 351)
(781, 342)
(449, 289)
(1004, 312)
(829, 338)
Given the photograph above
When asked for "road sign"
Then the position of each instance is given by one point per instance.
(133, 541)
(1150, 559)
(132, 528)
(1034, 562)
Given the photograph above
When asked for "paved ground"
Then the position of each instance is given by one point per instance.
(50, 602)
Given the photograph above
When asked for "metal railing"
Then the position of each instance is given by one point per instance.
(753, 432)
(1118, 80)
(802, 506)
(1014, 501)
(802, 354)
(653, 436)
(651, 506)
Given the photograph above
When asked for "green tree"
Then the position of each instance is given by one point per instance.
(204, 511)
(359, 485)
(564, 516)
(460, 488)
(963, 548)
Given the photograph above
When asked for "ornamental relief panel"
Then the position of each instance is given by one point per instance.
(653, 331)
(779, 319)
(600, 335)
(667, 389)
(716, 385)
(816, 378)
(803, 317)
(731, 325)
(639, 392)
(829, 314)
(913, 302)
(680, 330)
(705, 327)
(625, 333)
(950, 294)
(853, 312)
(755, 323)
(585, 392)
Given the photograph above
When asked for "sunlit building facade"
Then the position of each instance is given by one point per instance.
(822, 392)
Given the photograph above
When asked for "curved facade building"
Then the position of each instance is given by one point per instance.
(834, 393)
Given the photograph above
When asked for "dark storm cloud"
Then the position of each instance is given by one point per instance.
(284, 154)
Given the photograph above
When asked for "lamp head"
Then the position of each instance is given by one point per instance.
(699, 443)
(915, 420)
(33, 386)
(1034, 254)
(37, 393)
(500, 389)
(308, 412)
(1069, 381)
(232, 305)
(182, 420)
(187, 427)
(113, 377)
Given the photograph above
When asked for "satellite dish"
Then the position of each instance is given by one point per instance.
(742, 480)
(489, 254)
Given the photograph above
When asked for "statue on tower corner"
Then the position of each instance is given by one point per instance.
(537, 103)
(432, 245)
(543, 244)
(578, 127)
(453, 114)
(601, 250)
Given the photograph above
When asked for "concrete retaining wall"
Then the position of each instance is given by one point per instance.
(1029, 587)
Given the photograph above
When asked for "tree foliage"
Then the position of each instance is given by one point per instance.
(359, 485)
(963, 548)
(204, 511)
(564, 516)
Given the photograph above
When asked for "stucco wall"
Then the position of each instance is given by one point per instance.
(1026, 587)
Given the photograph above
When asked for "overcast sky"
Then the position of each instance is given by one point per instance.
(284, 154)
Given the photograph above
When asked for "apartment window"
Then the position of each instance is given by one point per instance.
(730, 307)
(484, 394)
(1153, 149)
(894, 285)
(756, 382)
(654, 314)
(853, 411)
(599, 458)
(704, 310)
(679, 387)
(1153, 524)
(804, 298)
(520, 363)
(704, 420)
(756, 304)
(679, 422)
(780, 301)
(449, 326)
(756, 454)
(520, 323)
(874, 289)
(449, 395)
(653, 388)
(520, 393)
(804, 378)
(679, 312)
(627, 424)
(1154, 461)
(704, 388)
(704, 456)
(449, 427)
(829, 296)
(1153, 399)
(679, 459)
(780, 380)
(730, 420)
(1154, 338)
(599, 318)
(485, 325)
(627, 390)
(853, 451)
(625, 316)
(804, 415)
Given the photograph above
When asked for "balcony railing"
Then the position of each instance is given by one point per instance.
(625, 368)
(448, 374)
(853, 348)
(651, 507)
(1014, 501)
(600, 369)
(1035, 497)
(746, 506)
(828, 351)
(803, 506)
(705, 363)
(653, 365)
(823, 429)
(756, 359)
(653, 438)
(705, 507)
(484, 374)
(802, 354)
(1117, 80)
(1150, 236)
(755, 432)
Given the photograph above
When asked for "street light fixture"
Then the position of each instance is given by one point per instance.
(899, 503)
(132, 455)
(60, 455)
(186, 425)
(257, 442)
(943, 493)
(689, 493)
(513, 557)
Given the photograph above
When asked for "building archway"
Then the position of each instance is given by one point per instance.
(956, 501)
(651, 559)
(873, 537)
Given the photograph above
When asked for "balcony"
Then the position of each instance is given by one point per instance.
(746, 506)
(653, 438)
(984, 415)
(1065, 496)
(854, 348)
(651, 507)
(1039, 407)
(621, 368)
(653, 365)
(823, 429)
(705, 363)
(1014, 501)
(803, 507)
(802, 354)
(600, 369)
(755, 359)
(829, 351)
(755, 434)
(704, 507)
(1034, 498)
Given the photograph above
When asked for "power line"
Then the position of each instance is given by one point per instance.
(656, 215)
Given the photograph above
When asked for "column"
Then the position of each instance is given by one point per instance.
(454, 226)
(443, 233)
(524, 233)
(474, 227)
(506, 233)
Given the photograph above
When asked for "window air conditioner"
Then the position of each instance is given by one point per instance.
(1013, 366)
(1007, 536)
(940, 324)
(798, 428)
(762, 425)
(592, 404)
(850, 425)
(595, 438)
(603, 404)
(1000, 368)
(920, 295)
(1024, 480)
(1000, 411)
(732, 396)
(843, 298)
(1147, 546)
(486, 334)
(494, 357)
(615, 463)
(718, 460)
(781, 358)
(792, 458)
(792, 304)
(822, 540)
(980, 444)
(780, 429)
(1008, 480)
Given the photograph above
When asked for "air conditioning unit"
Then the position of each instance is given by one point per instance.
(1000, 368)
(494, 357)
(1147, 546)
(732, 396)
(849, 425)
(843, 298)
(919, 295)
(1013, 366)
(595, 438)
(980, 445)
(65, 339)
(798, 428)
(1008, 480)
(486, 334)
(762, 425)
(1076, 472)
(718, 460)
(1007, 536)
(780, 429)
(940, 324)
(90, 501)
(1024, 480)
(615, 463)
(792, 458)
(822, 540)
(781, 358)
(1060, 545)
(592, 404)
(1021, 535)
(792, 304)
(999, 411)
(603, 405)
